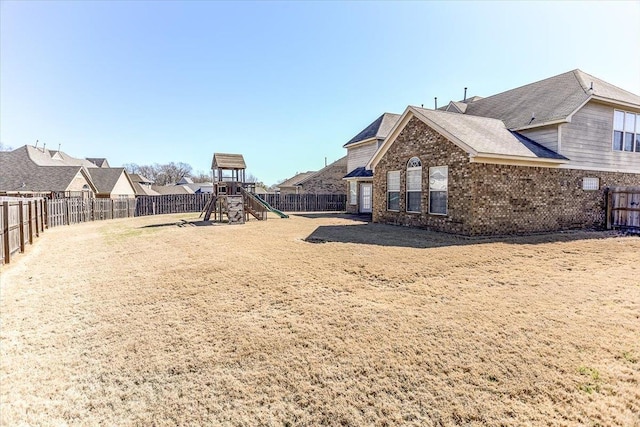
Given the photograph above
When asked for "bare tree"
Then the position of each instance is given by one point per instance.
(5, 147)
(171, 172)
(201, 176)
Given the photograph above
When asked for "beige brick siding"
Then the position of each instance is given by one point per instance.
(489, 199)
(328, 180)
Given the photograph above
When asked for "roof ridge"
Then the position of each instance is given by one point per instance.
(605, 82)
(525, 85)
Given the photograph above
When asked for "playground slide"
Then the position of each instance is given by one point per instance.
(268, 206)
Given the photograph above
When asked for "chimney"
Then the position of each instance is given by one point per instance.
(465, 95)
(435, 101)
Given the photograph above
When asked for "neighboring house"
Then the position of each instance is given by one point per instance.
(360, 149)
(535, 158)
(30, 168)
(142, 185)
(172, 189)
(112, 183)
(292, 185)
(327, 180)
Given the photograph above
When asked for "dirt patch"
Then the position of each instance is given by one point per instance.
(158, 321)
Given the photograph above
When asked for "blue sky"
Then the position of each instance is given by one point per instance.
(284, 83)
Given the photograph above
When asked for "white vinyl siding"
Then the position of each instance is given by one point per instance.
(393, 190)
(360, 155)
(547, 136)
(587, 140)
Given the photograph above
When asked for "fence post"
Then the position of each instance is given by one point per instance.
(30, 222)
(5, 235)
(21, 225)
(44, 210)
(609, 197)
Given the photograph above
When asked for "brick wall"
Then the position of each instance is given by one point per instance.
(487, 199)
(328, 180)
(416, 139)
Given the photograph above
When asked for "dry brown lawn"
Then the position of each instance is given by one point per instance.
(144, 322)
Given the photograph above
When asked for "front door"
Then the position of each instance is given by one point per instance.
(366, 191)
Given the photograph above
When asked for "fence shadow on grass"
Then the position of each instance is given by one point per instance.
(182, 223)
(393, 235)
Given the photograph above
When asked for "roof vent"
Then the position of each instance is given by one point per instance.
(591, 88)
(533, 117)
(465, 95)
(435, 101)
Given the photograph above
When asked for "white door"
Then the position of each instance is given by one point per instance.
(366, 191)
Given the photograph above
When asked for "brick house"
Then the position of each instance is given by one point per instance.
(532, 159)
(327, 180)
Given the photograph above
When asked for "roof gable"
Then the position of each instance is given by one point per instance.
(379, 128)
(105, 178)
(480, 137)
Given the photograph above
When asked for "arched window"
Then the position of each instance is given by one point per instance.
(414, 185)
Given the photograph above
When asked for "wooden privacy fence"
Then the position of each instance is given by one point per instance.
(171, 203)
(76, 210)
(21, 220)
(306, 202)
(623, 208)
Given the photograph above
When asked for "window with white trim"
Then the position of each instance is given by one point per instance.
(414, 184)
(626, 131)
(438, 189)
(353, 197)
(393, 190)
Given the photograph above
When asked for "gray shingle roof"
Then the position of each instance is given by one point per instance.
(172, 189)
(44, 157)
(380, 128)
(99, 162)
(228, 161)
(360, 172)
(143, 190)
(296, 179)
(19, 173)
(340, 162)
(484, 135)
(105, 178)
(548, 100)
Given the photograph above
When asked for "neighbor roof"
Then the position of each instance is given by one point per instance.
(105, 178)
(99, 162)
(228, 161)
(547, 101)
(479, 136)
(44, 157)
(19, 173)
(340, 162)
(296, 179)
(172, 189)
(380, 128)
